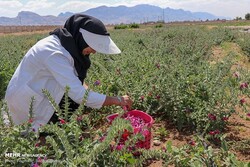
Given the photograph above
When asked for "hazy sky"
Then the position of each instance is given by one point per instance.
(227, 8)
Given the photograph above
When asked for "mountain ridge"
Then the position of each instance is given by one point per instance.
(114, 15)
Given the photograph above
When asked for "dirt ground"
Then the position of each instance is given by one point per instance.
(238, 130)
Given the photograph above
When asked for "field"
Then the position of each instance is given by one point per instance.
(15, 29)
(193, 79)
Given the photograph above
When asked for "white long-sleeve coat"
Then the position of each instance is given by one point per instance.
(47, 65)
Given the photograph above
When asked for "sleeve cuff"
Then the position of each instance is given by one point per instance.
(95, 100)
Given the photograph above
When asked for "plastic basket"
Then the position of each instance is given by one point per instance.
(147, 133)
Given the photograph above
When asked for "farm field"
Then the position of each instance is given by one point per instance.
(193, 79)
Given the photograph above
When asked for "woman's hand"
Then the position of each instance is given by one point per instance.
(123, 101)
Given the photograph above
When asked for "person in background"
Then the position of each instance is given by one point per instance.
(59, 60)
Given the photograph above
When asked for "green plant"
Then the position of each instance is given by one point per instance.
(67, 143)
(134, 25)
(121, 26)
(200, 153)
(162, 132)
(247, 16)
(243, 146)
(158, 26)
(167, 72)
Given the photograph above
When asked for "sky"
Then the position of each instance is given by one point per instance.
(226, 8)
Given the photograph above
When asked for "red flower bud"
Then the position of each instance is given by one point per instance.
(102, 138)
(158, 97)
(79, 118)
(236, 74)
(81, 138)
(192, 143)
(141, 98)
(37, 144)
(97, 82)
(243, 85)
(212, 133)
(224, 118)
(39, 160)
(164, 149)
(216, 131)
(119, 147)
(242, 101)
(35, 165)
(62, 121)
(158, 65)
(212, 117)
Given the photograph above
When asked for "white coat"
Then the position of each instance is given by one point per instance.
(47, 65)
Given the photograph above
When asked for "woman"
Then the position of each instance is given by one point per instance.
(57, 61)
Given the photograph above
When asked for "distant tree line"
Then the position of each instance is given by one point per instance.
(247, 17)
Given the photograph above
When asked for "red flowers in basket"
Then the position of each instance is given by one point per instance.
(138, 124)
(141, 123)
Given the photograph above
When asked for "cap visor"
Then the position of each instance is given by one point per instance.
(100, 43)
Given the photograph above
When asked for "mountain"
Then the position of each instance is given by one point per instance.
(66, 14)
(30, 18)
(146, 13)
(113, 15)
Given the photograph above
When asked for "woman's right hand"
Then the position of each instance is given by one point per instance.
(123, 101)
(126, 101)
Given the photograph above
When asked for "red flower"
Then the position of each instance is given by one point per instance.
(142, 98)
(30, 120)
(62, 121)
(192, 143)
(158, 97)
(37, 144)
(79, 118)
(158, 65)
(119, 147)
(242, 101)
(248, 114)
(224, 118)
(212, 117)
(164, 149)
(236, 74)
(125, 134)
(102, 138)
(35, 165)
(97, 82)
(243, 85)
(212, 133)
(39, 160)
(217, 131)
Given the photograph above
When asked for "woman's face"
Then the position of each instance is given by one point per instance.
(88, 51)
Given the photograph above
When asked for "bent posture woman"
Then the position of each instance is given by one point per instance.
(59, 60)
